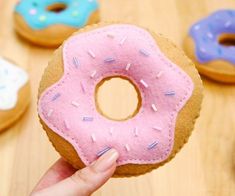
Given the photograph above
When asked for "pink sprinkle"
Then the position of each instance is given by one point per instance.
(32, 11)
(66, 125)
(154, 107)
(50, 113)
(123, 40)
(136, 132)
(144, 83)
(111, 131)
(93, 138)
(159, 74)
(157, 128)
(128, 66)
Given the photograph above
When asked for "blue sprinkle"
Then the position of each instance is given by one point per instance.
(88, 119)
(144, 52)
(152, 145)
(2, 87)
(109, 60)
(170, 93)
(100, 153)
(76, 62)
(56, 96)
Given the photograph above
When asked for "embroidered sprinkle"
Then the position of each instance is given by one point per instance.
(50, 112)
(66, 125)
(110, 35)
(82, 87)
(111, 131)
(159, 74)
(228, 24)
(93, 138)
(123, 40)
(144, 52)
(76, 62)
(93, 74)
(128, 66)
(196, 27)
(100, 153)
(210, 35)
(88, 119)
(154, 107)
(56, 96)
(152, 145)
(136, 132)
(170, 93)
(109, 60)
(157, 128)
(144, 83)
(91, 53)
(75, 104)
(127, 147)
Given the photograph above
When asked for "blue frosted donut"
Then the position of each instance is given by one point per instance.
(50, 22)
(206, 32)
(37, 16)
(211, 45)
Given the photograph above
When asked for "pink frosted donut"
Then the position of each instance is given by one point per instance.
(169, 86)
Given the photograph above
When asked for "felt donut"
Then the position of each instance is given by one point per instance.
(170, 92)
(14, 93)
(211, 45)
(50, 22)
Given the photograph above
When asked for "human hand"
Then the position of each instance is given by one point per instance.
(63, 179)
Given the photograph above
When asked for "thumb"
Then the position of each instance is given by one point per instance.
(84, 182)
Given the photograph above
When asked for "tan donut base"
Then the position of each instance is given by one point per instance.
(8, 117)
(51, 36)
(185, 120)
(218, 70)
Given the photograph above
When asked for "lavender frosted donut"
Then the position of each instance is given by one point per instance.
(211, 44)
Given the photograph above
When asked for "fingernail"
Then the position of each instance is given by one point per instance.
(106, 161)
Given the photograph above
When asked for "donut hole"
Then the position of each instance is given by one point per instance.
(227, 39)
(117, 98)
(56, 7)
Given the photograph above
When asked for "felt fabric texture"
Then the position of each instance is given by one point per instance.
(71, 112)
(185, 119)
(12, 79)
(217, 70)
(206, 32)
(76, 13)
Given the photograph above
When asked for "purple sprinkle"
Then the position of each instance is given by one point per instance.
(152, 145)
(109, 60)
(56, 96)
(100, 153)
(170, 93)
(82, 87)
(88, 119)
(144, 52)
(76, 62)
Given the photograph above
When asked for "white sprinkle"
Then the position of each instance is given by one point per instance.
(136, 132)
(66, 125)
(127, 147)
(128, 66)
(196, 27)
(93, 138)
(157, 128)
(123, 40)
(91, 53)
(50, 112)
(228, 24)
(210, 35)
(159, 74)
(154, 107)
(144, 83)
(110, 35)
(93, 74)
(75, 104)
(111, 131)
(144, 52)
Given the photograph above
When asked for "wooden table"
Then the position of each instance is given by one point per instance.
(205, 166)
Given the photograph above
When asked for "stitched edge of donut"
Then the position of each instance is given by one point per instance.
(163, 58)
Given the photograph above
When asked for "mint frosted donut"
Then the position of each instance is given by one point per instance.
(37, 16)
(170, 93)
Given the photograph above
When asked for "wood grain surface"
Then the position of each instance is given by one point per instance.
(205, 166)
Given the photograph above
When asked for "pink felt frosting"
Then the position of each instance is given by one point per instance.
(68, 107)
